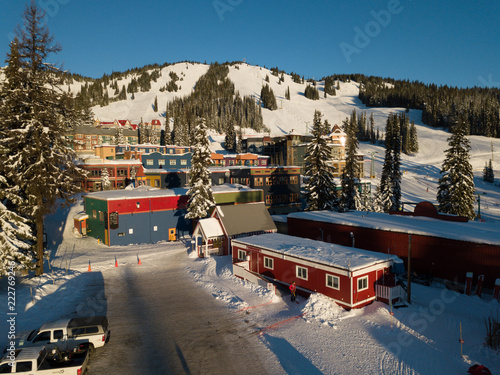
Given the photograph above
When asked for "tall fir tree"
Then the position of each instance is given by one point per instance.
(456, 186)
(320, 187)
(167, 133)
(200, 191)
(105, 181)
(16, 236)
(119, 138)
(38, 159)
(388, 195)
(351, 170)
(396, 166)
(488, 174)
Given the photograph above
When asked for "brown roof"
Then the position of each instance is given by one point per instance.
(245, 218)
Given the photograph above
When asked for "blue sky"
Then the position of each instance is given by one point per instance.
(453, 42)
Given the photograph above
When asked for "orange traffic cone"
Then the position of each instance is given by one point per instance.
(116, 262)
(138, 260)
(90, 269)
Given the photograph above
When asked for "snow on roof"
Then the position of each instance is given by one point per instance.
(144, 191)
(81, 216)
(343, 257)
(472, 231)
(210, 228)
(100, 161)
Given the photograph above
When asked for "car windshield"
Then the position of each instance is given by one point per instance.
(32, 334)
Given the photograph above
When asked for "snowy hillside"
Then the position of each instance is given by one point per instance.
(421, 170)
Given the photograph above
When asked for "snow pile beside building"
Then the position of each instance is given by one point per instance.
(322, 309)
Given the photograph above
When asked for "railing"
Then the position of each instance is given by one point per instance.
(390, 293)
(241, 269)
(209, 250)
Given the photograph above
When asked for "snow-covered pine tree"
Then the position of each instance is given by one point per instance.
(320, 187)
(396, 166)
(16, 236)
(143, 133)
(167, 134)
(230, 137)
(413, 138)
(351, 169)
(488, 174)
(105, 181)
(37, 157)
(239, 141)
(153, 135)
(200, 191)
(119, 138)
(456, 186)
(15, 232)
(372, 129)
(383, 201)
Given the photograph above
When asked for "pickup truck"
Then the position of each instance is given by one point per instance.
(67, 334)
(38, 361)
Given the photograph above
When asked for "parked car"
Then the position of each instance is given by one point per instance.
(39, 361)
(67, 334)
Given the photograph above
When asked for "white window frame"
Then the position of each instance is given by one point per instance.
(269, 263)
(150, 162)
(161, 161)
(242, 254)
(364, 280)
(333, 277)
(183, 162)
(173, 162)
(299, 272)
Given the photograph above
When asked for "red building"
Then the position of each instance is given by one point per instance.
(439, 248)
(347, 275)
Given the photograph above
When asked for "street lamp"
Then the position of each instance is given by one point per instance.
(352, 236)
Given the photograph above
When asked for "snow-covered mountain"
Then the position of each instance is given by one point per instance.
(421, 171)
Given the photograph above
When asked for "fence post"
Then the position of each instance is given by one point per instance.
(468, 283)
(496, 293)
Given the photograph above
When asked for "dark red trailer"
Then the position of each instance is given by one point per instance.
(439, 248)
(348, 275)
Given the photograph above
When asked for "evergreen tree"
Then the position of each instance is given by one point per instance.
(155, 104)
(105, 181)
(230, 138)
(239, 142)
(153, 135)
(388, 195)
(413, 139)
(37, 158)
(287, 93)
(200, 192)
(268, 98)
(15, 233)
(311, 92)
(350, 174)
(167, 134)
(396, 167)
(488, 174)
(456, 185)
(372, 129)
(320, 187)
(119, 138)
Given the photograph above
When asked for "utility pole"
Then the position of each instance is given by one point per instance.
(372, 164)
(409, 268)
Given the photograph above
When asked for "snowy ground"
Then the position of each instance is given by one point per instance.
(312, 337)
